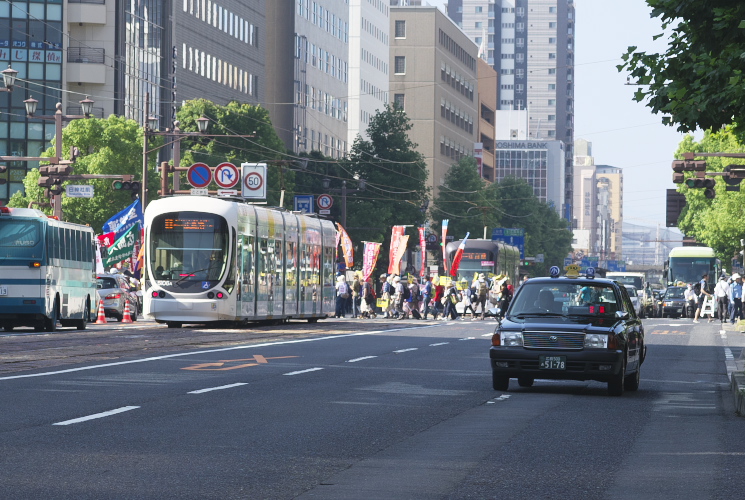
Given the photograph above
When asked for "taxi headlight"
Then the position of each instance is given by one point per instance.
(512, 339)
(596, 341)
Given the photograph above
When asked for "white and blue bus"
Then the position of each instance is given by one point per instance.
(211, 260)
(687, 265)
(47, 271)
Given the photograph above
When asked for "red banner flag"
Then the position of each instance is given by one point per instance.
(423, 246)
(107, 239)
(444, 242)
(369, 258)
(346, 246)
(396, 234)
(402, 242)
(458, 257)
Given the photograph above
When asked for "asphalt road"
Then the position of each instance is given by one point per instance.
(356, 410)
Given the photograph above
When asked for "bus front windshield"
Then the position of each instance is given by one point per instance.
(690, 269)
(189, 249)
(20, 239)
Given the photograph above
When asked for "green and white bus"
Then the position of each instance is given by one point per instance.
(47, 271)
(686, 265)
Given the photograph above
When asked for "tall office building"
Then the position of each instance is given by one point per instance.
(531, 45)
(369, 38)
(434, 75)
(612, 179)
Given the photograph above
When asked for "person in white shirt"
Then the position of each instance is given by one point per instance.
(691, 300)
(721, 292)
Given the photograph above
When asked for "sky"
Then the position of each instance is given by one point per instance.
(623, 133)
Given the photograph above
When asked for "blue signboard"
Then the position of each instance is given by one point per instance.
(510, 236)
(304, 203)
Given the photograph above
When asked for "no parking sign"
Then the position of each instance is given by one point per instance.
(254, 180)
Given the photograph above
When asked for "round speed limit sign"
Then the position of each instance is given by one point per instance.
(254, 180)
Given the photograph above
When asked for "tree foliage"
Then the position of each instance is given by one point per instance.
(107, 146)
(236, 119)
(698, 81)
(715, 222)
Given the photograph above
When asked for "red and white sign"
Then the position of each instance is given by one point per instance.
(254, 180)
(226, 175)
(199, 175)
(324, 202)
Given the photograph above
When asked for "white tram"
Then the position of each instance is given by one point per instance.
(210, 260)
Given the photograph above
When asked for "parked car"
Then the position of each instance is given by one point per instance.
(673, 303)
(115, 292)
(635, 300)
(595, 335)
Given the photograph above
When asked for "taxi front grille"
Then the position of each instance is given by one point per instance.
(553, 340)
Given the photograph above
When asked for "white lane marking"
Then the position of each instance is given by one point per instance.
(503, 397)
(223, 349)
(303, 371)
(441, 343)
(406, 350)
(487, 335)
(360, 359)
(468, 338)
(230, 386)
(97, 415)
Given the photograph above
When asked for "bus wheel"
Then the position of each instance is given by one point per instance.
(50, 324)
(312, 320)
(80, 324)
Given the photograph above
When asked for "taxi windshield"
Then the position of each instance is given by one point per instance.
(565, 299)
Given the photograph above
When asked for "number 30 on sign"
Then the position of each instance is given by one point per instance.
(253, 177)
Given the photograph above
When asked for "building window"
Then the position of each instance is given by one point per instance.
(552, 40)
(398, 100)
(400, 29)
(479, 9)
(400, 65)
(552, 118)
(551, 86)
(552, 25)
(552, 55)
(479, 24)
(551, 71)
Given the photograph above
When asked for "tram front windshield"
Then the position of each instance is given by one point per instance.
(189, 249)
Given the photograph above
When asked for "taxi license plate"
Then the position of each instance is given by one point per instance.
(3, 290)
(552, 362)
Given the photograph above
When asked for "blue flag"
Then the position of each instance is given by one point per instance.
(124, 220)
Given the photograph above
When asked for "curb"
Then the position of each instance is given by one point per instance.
(738, 389)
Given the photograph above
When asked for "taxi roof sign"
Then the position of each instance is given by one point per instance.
(572, 271)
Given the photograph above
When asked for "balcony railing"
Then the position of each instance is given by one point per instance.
(85, 55)
(78, 110)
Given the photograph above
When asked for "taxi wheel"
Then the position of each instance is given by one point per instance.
(173, 324)
(525, 381)
(500, 382)
(617, 382)
(632, 381)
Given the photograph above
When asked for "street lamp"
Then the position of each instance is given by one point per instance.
(9, 79)
(58, 118)
(344, 191)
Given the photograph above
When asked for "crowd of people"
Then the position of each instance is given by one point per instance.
(409, 298)
(726, 297)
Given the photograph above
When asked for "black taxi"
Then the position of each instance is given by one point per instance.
(569, 328)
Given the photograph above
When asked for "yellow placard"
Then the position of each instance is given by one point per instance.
(572, 270)
(382, 303)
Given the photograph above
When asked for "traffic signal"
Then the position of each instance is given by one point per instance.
(3, 171)
(706, 184)
(125, 185)
(55, 186)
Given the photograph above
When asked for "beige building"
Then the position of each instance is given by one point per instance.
(612, 178)
(433, 77)
(487, 86)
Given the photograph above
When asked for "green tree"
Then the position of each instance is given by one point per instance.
(465, 201)
(232, 120)
(697, 82)
(107, 146)
(715, 222)
(395, 176)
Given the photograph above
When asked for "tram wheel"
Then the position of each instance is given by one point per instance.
(312, 320)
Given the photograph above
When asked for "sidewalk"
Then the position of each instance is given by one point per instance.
(737, 367)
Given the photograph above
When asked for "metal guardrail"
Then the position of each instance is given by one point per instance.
(85, 55)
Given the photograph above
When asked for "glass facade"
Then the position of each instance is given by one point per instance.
(530, 165)
(31, 43)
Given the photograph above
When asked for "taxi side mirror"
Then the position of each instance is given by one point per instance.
(622, 315)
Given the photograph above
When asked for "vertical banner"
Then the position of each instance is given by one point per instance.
(444, 243)
(423, 245)
(369, 258)
(396, 235)
(402, 242)
(346, 246)
(458, 256)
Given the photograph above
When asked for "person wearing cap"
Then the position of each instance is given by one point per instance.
(721, 291)
(387, 293)
(342, 293)
(451, 298)
(481, 294)
(398, 297)
(736, 292)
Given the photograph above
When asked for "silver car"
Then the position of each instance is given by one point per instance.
(636, 301)
(114, 291)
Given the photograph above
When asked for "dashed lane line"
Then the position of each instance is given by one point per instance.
(210, 389)
(303, 371)
(97, 415)
(360, 359)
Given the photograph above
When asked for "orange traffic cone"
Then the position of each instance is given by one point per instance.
(127, 316)
(101, 320)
